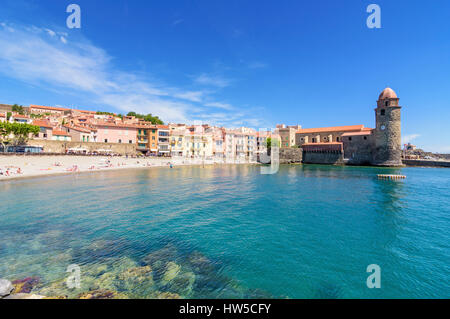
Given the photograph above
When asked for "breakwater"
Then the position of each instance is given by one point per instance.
(426, 163)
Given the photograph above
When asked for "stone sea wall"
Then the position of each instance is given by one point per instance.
(426, 163)
(359, 151)
(290, 155)
(331, 158)
(60, 147)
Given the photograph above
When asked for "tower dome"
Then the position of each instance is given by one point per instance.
(387, 93)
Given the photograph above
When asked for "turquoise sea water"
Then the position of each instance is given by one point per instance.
(229, 232)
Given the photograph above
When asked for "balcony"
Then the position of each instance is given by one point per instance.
(142, 148)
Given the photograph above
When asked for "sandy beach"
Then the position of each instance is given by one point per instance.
(13, 167)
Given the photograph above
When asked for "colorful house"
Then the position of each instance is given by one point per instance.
(116, 133)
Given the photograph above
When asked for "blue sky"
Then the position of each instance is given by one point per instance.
(234, 63)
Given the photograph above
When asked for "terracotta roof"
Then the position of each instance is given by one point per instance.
(146, 126)
(61, 133)
(322, 144)
(20, 116)
(358, 133)
(41, 123)
(387, 93)
(118, 125)
(164, 127)
(331, 129)
(87, 112)
(78, 128)
(49, 108)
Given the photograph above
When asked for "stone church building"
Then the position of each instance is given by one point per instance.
(356, 144)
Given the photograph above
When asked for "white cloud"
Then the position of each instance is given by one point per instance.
(257, 65)
(50, 32)
(409, 138)
(34, 55)
(191, 96)
(210, 80)
(220, 105)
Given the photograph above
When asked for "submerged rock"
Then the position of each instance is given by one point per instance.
(108, 281)
(163, 255)
(172, 270)
(102, 294)
(6, 287)
(138, 281)
(95, 270)
(168, 295)
(25, 296)
(199, 263)
(57, 288)
(25, 285)
(183, 284)
(60, 289)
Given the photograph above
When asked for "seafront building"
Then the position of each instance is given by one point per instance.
(163, 140)
(287, 134)
(356, 144)
(352, 144)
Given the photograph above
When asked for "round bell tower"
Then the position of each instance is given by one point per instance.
(387, 134)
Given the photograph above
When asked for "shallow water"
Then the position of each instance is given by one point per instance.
(229, 232)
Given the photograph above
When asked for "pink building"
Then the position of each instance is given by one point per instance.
(116, 133)
(218, 142)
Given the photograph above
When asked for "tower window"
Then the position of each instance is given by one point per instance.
(386, 103)
(350, 138)
(383, 112)
(337, 139)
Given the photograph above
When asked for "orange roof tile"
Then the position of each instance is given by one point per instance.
(60, 133)
(78, 128)
(41, 123)
(365, 132)
(331, 129)
(87, 112)
(322, 144)
(112, 124)
(20, 116)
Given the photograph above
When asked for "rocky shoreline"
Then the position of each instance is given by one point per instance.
(162, 274)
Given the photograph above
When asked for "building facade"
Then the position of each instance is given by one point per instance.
(287, 134)
(358, 145)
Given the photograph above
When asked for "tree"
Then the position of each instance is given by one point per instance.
(18, 109)
(147, 118)
(272, 142)
(16, 133)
